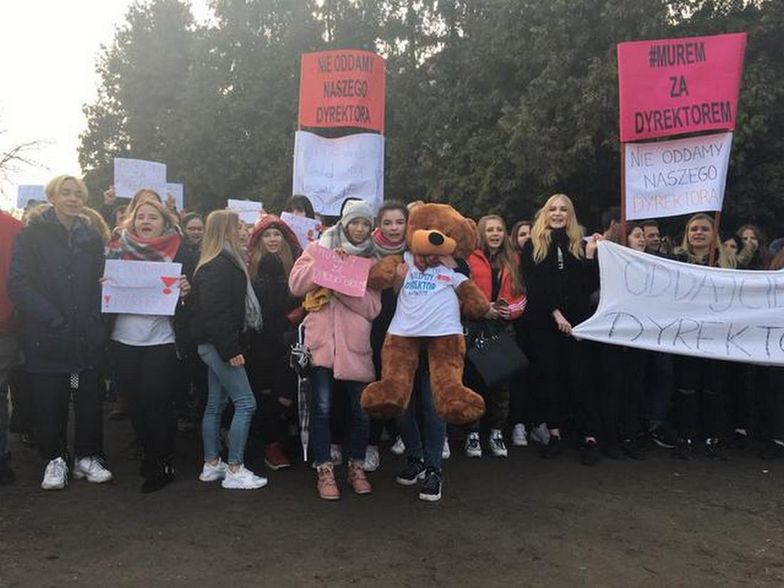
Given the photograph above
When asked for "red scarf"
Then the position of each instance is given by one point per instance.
(132, 247)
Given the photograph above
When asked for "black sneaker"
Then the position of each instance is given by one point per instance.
(553, 448)
(613, 451)
(430, 491)
(664, 436)
(772, 450)
(589, 454)
(412, 473)
(713, 450)
(685, 449)
(630, 447)
(740, 439)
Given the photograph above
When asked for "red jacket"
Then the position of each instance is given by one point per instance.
(9, 227)
(482, 275)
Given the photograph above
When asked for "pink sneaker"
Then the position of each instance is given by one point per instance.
(357, 478)
(327, 487)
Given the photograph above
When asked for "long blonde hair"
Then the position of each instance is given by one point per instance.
(505, 257)
(221, 228)
(725, 258)
(541, 233)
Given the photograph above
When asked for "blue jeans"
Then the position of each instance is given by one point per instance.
(434, 427)
(225, 383)
(322, 381)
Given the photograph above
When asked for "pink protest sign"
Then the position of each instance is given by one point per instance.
(675, 86)
(347, 275)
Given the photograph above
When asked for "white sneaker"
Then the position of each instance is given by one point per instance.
(336, 454)
(519, 438)
(372, 459)
(243, 479)
(93, 469)
(446, 453)
(398, 447)
(55, 475)
(496, 443)
(213, 473)
(472, 446)
(540, 434)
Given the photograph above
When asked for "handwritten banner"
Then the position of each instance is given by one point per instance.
(670, 178)
(342, 88)
(131, 175)
(28, 193)
(140, 287)
(347, 275)
(653, 303)
(249, 211)
(329, 170)
(677, 86)
(306, 229)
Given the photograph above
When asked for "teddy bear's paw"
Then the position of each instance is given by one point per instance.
(462, 411)
(379, 405)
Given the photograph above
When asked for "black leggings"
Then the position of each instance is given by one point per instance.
(146, 375)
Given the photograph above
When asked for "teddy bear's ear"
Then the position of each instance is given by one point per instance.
(466, 236)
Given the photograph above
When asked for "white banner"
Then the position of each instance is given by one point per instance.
(661, 305)
(328, 171)
(306, 229)
(26, 193)
(140, 287)
(131, 175)
(249, 211)
(670, 178)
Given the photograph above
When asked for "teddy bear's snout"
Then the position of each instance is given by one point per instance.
(435, 238)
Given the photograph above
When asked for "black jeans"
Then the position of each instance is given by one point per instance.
(52, 394)
(623, 378)
(146, 375)
(701, 385)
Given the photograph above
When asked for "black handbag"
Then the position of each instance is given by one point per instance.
(493, 352)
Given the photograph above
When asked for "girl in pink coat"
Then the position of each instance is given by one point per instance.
(337, 332)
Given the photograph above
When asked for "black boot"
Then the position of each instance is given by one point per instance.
(158, 477)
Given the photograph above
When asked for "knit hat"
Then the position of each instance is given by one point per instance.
(355, 209)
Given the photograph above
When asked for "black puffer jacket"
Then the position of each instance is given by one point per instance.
(54, 283)
(218, 305)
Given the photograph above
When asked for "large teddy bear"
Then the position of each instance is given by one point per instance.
(431, 298)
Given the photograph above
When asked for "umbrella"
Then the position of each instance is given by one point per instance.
(300, 363)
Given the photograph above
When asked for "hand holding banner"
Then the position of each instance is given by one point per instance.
(347, 275)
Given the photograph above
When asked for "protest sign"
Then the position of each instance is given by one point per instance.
(28, 192)
(648, 302)
(676, 86)
(131, 175)
(670, 178)
(342, 88)
(140, 287)
(306, 229)
(176, 190)
(347, 275)
(249, 211)
(329, 170)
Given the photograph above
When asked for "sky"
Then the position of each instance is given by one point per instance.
(49, 49)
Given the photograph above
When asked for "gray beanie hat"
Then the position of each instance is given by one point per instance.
(357, 209)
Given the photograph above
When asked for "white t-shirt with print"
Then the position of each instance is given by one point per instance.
(427, 304)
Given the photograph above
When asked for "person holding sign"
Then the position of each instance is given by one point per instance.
(495, 267)
(701, 383)
(224, 308)
(273, 247)
(337, 332)
(144, 345)
(559, 277)
(54, 284)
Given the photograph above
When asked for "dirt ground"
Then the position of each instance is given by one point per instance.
(515, 522)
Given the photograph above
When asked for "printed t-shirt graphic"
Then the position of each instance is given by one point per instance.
(427, 304)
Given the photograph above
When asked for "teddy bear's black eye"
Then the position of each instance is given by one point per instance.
(436, 238)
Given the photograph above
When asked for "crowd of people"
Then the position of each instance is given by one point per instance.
(221, 362)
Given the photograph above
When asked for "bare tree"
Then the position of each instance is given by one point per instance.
(16, 158)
